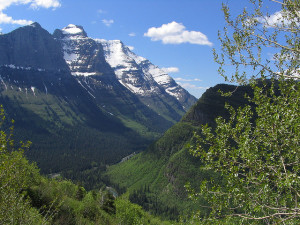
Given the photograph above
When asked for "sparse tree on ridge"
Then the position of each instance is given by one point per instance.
(257, 150)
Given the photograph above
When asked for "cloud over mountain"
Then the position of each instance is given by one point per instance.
(176, 33)
(191, 86)
(170, 69)
(34, 4)
(186, 80)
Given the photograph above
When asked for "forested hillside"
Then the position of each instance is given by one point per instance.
(27, 197)
(156, 178)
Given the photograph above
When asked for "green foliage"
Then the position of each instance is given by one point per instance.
(151, 203)
(173, 140)
(129, 214)
(259, 161)
(16, 174)
(28, 198)
(256, 149)
(132, 214)
(71, 204)
(247, 38)
(68, 203)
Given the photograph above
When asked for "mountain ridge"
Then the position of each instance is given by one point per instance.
(75, 122)
(151, 85)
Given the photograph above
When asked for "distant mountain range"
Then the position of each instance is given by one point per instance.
(83, 102)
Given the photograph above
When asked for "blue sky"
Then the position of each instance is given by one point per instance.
(178, 35)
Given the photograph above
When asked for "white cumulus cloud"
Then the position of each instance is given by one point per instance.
(279, 18)
(176, 33)
(9, 20)
(34, 4)
(107, 23)
(43, 3)
(274, 19)
(186, 80)
(170, 69)
(191, 86)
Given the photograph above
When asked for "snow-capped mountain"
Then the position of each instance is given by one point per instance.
(81, 99)
(127, 70)
(136, 72)
(83, 55)
(89, 57)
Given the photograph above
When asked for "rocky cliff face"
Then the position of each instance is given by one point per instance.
(142, 77)
(86, 60)
(89, 57)
(83, 55)
(31, 46)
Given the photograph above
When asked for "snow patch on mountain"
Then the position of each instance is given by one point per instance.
(71, 38)
(116, 57)
(1, 79)
(70, 51)
(86, 89)
(129, 67)
(74, 32)
(158, 74)
(126, 67)
(71, 29)
(11, 66)
(71, 56)
(85, 74)
(33, 90)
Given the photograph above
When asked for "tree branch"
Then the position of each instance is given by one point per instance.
(249, 217)
(276, 43)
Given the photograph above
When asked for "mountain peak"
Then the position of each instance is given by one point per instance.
(73, 31)
(36, 25)
(31, 46)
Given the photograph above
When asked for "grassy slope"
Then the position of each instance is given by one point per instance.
(167, 174)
